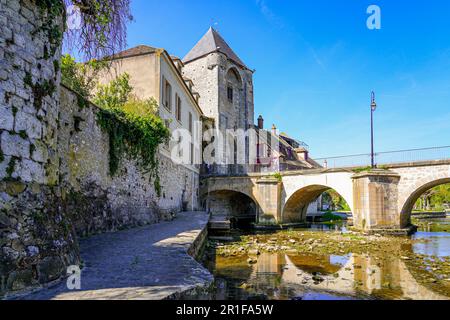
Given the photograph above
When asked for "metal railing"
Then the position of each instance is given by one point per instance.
(235, 169)
(350, 161)
(386, 158)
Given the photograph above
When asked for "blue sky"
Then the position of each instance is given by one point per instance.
(316, 63)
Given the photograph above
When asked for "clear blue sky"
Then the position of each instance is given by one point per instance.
(316, 63)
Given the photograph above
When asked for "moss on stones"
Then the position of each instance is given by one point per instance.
(11, 167)
(14, 188)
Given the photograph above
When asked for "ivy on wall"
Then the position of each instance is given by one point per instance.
(53, 24)
(133, 127)
(137, 136)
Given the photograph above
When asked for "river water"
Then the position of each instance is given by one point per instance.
(353, 275)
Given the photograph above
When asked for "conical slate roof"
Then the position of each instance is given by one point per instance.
(211, 42)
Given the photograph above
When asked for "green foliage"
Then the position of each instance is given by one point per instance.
(436, 198)
(52, 11)
(140, 107)
(39, 89)
(115, 94)
(363, 169)
(132, 129)
(278, 176)
(23, 134)
(335, 200)
(329, 216)
(10, 168)
(32, 149)
(81, 77)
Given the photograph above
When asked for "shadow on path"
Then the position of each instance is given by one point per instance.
(148, 263)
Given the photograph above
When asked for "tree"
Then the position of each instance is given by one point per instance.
(103, 27)
(335, 200)
(434, 199)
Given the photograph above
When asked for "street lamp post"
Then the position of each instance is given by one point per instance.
(373, 107)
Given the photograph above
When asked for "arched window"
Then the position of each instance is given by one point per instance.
(234, 83)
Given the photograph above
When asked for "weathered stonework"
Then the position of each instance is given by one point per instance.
(55, 184)
(375, 198)
(35, 241)
(211, 76)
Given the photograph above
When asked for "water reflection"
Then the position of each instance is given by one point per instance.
(309, 276)
(436, 244)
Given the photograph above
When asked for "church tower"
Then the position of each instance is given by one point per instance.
(224, 82)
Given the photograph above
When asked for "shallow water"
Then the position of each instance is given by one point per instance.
(309, 276)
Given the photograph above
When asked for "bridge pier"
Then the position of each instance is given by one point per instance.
(375, 197)
(269, 198)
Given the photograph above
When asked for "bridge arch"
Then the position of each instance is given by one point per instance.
(408, 198)
(232, 204)
(300, 190)
(296, 206)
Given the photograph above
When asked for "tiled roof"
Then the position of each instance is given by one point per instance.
(136, 51)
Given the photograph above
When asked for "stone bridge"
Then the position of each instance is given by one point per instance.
(380, 199)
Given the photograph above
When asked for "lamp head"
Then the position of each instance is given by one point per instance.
(373, 104)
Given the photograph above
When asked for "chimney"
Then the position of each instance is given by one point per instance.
(302, 153)
(260, 123)
(274, 130)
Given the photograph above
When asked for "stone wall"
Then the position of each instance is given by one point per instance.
(211, 76)
(35, 242)
(40, 223)
(55, 184)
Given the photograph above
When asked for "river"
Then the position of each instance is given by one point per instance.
(327, 262)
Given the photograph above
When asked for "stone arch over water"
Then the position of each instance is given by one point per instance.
(296, 206)
(231, 204)
(407, 202)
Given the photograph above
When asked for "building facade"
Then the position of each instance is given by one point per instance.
(225, 85)
(155, 74)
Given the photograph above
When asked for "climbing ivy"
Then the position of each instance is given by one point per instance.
(52, 12)
(137, 134)
(39, 89)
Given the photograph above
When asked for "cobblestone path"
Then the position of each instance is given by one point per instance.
(144, 263)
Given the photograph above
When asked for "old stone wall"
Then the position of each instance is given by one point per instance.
(55, 184)
(211, 76)
(35, 240)
(40, 224)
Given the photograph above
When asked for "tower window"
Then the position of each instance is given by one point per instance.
(230, 94)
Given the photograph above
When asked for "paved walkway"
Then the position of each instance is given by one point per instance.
(148, 263)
